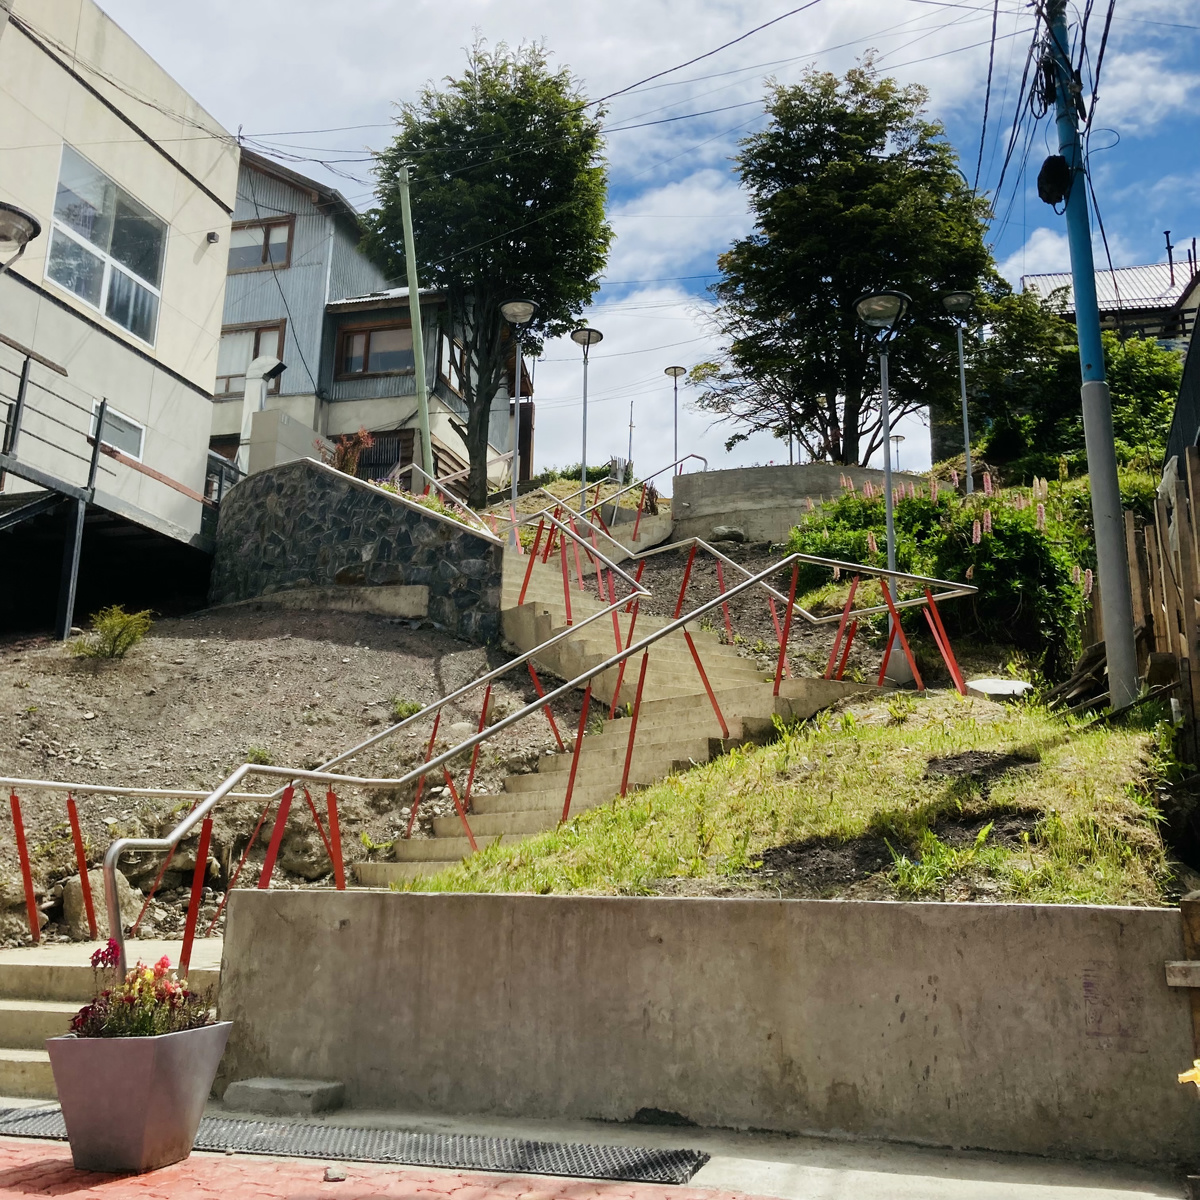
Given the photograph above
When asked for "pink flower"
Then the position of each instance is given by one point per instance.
(954, 477)
(837, 572)
(850, 483)
(987, 520)
(1041, 516)
(912, 492)
(987, 483)
(810, 503)
(868, 490)
(1087, 582)
(1075, 573)
(971, 571)
(842, 479)
(975, 533)
(872, 544)
(933, 488)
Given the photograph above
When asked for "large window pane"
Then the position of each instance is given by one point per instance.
(233, 357)
(120, 432)
(277, 249)
(270, 341)
(391, 350)
(76, 268)
(356, 345)
(246, 248)
(132, 305)
(85, 199)
(138, 238)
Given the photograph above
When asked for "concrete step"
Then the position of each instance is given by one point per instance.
(552, 798)
(26, 1073)
(26, 1024)
(39, 980)
(593, 774)
(598, 751)
(437, 849)
(381, 874)
(519, 823)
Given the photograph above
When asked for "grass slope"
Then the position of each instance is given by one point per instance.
(968, 799)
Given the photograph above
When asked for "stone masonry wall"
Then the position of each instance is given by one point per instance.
(303, 525)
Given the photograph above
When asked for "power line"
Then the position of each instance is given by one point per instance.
(987, 96)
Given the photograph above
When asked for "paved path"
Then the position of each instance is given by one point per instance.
(30, 1168)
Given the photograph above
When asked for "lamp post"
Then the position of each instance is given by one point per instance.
(17, 229)
(882, 312)
(959, 305)
(675, 373)
(587, 338)
(518, 313)
(897, 438)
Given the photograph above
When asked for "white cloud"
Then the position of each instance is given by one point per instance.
(1140, 90)
(1045, 250)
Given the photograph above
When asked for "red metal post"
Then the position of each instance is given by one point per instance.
(562, 548)
(553, 535)
(912, 662)
(935, 618)
(35, 928)
(637, 578)
(529, 565)
(638, 519)
(778, 632)
(462, 812)
(312, 808)
(335, 837)
(241, 863)
(887, 654)
(487, 697)
(575, 548)
(637, 708)
(412, 815)
(285, 805)
(193, 912)
(712, 699)
(837, 641)
(787, 628)
(687, 574)
(725, 605)
(81, 859)
(846, 652)
(612, 601)
(583, 715)
(637, 606)
(537, 683)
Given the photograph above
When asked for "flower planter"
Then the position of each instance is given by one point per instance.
(135, 1103)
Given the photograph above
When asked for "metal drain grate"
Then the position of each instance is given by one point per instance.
(633, 1164)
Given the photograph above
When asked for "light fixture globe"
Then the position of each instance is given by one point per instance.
(518, 312)
(882, 310)
(586, 336)
(958, 304)
(675, 372)
(17, 229)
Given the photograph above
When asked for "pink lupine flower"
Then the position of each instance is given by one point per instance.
(974, 533)
(868, 490)
(842, 478)
(954, 477)
(810, 503)
(1041, 516)
(872, 544)
(850, 483)
(837, 572)
(971, 571)
(1075, 573)
(987, 483)
(933, 488)
(987, 520)
(1087, 582)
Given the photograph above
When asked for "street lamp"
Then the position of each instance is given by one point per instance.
(675, 373)
(518, 313)
(587, 338)
(882, 312)
(17, 229)
(959, 305)
(897, 438)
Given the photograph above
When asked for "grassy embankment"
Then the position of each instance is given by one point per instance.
(972, 800)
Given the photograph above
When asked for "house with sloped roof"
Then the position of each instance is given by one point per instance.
(1158, 300)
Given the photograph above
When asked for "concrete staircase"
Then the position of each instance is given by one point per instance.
(677, 726)
(41, 989)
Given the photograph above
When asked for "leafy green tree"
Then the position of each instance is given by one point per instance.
(508, 186)
(852, 190)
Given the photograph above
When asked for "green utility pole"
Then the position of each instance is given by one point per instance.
(1116, 604)
(414, 312)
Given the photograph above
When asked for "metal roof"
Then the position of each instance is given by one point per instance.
(1133, 287)
(385, 299)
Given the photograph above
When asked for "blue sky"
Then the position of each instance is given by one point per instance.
(674, 201)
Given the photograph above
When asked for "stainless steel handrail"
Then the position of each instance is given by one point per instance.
(197, 814)
(636, 484)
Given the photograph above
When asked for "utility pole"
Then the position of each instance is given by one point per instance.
(1116, 603)
(414, 313)
(629, 460)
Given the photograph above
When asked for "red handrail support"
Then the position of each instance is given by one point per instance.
(285, 805)
(335, 838)
(837, 641)
(193, 913)
(81, 858)
(897, 632)
(787, 628)
(583, 716)
(35, 928)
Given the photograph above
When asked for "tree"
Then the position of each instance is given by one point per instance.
(852, 190)
(508, 187)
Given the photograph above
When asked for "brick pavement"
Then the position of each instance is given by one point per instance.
(40, 1168)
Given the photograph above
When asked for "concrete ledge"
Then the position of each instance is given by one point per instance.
(284, 1097)
(392, 600)
(1030, 1028)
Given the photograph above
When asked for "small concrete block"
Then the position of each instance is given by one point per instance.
(285, 1097)
(335, 1174)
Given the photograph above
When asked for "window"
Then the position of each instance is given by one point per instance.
(450, 363)
(106, 248)
(261, 246)
(120, 432)
(240, 346)
(387, 349)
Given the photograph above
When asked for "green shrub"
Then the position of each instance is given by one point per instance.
(114, 632)
(403, 709)
(1027, 594)
(260, 756)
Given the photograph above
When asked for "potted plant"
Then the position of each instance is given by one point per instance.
(135, 1070)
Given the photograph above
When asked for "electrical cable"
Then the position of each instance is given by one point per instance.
(987, 96)
(1087, 129)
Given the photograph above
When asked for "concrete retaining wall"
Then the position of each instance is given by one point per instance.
(1042, 1029)
(765, 502)
(303, 525)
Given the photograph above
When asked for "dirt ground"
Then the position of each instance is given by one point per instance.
(198, 697)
